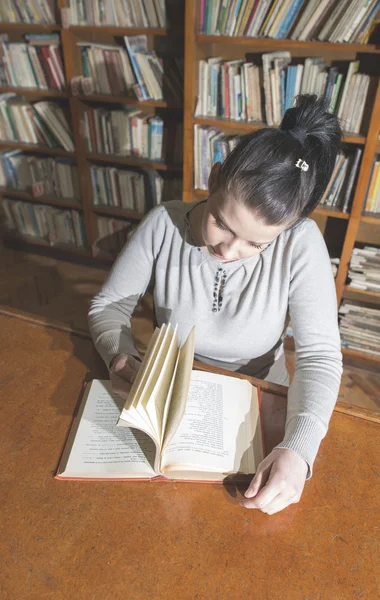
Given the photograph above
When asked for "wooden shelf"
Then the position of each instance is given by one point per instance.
(115, 211)
(30, 92)
(28, 197)
(29, 27)
(107, 98)
(287, 44)
(132, 161)
(373, 218)
(5, 145)
(23, 239)
(113, 30)
(353, 290)
(347, 352)
(320, 210)
(331, 212)
(360, 355)
(348, 138)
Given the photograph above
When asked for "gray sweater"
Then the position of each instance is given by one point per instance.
(240, 328)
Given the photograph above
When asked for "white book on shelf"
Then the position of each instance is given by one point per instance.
(307, 12)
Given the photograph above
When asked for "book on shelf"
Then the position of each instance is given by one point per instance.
(135, 133)
(372, 197)
(37, 64)
(42, 123)
(133, 13)
(359, 326)
(41, 12)
(56, 177)
(177, 423)
(135, 71)
(128, 189)
(339, 190)
(240, 90)
(54, 225)
(344, 21)
(364, 269)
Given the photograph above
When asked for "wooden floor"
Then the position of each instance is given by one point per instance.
(62, 291)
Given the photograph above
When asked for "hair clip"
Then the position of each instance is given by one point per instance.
(304, 166)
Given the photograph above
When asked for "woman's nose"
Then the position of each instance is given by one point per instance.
(231, 250)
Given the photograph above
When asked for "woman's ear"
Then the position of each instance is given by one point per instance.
(213, 179)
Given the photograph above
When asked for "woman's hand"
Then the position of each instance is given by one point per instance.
(123, 370)
(279, 481)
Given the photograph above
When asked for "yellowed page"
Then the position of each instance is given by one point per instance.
(180, 388)
(145, 366)
(219, 432)
(100, 449)
(159, 396)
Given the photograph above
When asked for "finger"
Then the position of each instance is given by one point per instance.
(120, 386)
(267, 493)
(257, 482)
(126, 368)
(279, 503)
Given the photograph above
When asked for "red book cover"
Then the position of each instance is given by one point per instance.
(43, 56)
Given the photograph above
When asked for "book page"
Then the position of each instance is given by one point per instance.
(175, 408)
(220, 431)
(159, 397)
(100, 448)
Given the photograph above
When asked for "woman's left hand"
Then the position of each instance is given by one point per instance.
(279, 481)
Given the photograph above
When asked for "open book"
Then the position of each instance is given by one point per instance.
(177, 423)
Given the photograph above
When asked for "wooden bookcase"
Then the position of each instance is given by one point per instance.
(76, 105)
(350, 228)
(347, 226)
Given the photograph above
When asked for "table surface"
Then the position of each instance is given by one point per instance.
(134, 540)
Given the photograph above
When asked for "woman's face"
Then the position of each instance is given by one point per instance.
(231, 231)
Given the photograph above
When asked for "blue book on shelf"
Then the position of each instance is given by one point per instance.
(136, 44)
(283, 87)
(289, 18)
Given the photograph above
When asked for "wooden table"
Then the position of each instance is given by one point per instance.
(102, 541)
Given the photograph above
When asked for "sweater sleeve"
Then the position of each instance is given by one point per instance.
(112, 308)
(318, 358)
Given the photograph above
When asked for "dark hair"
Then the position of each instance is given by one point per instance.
(261, 173)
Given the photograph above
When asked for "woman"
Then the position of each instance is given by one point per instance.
(237, 266)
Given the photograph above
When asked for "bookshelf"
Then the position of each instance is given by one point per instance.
(159, 39)
(346, 225)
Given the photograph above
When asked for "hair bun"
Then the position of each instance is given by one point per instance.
(310, 116)
(298, 133)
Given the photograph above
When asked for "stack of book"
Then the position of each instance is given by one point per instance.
(233, 89)
(349, 21)
(32, 11)
(131, 132)
(339, 191)
(127, 189)
(37, 64)
(55, 177)
(43, 123)
(360, 327)
(364, 269)
(126, 13)
(136, 71)
(46, 222)
(113, 234)
(372, 198)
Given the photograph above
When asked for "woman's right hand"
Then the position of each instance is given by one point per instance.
(123, 370)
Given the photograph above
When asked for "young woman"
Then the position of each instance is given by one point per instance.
(235, 266)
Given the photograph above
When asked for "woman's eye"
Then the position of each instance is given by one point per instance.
(220, 225)
(256, 246)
